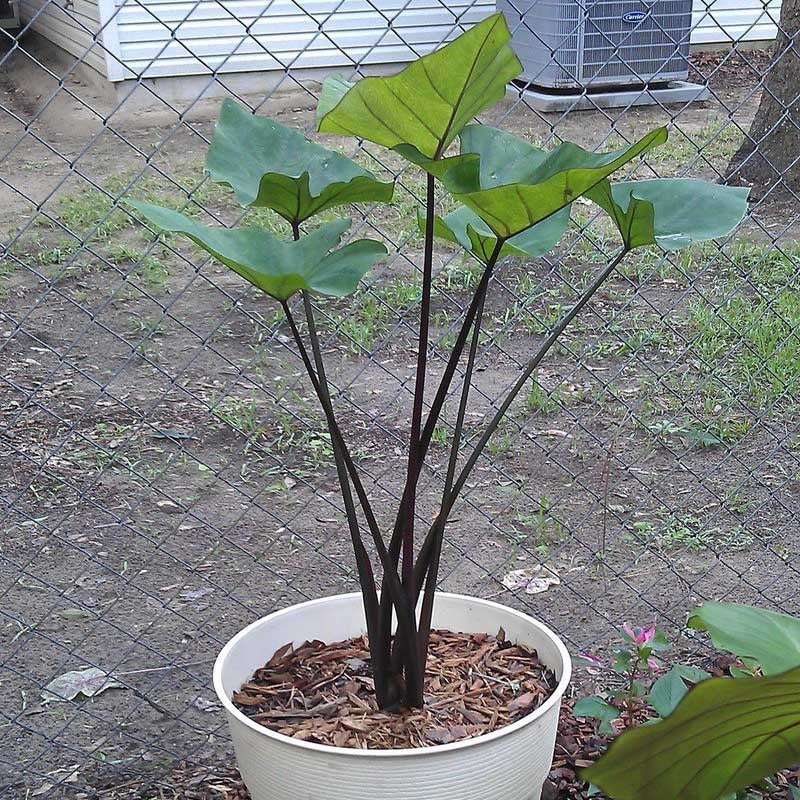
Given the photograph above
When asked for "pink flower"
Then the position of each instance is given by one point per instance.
(653, 664)
(640, 636)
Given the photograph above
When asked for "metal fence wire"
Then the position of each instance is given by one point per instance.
(166, 477)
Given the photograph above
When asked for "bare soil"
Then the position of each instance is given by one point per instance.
(167, 475)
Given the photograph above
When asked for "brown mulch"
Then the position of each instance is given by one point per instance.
(324, 693)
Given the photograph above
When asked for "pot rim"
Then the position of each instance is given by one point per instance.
(433, 750)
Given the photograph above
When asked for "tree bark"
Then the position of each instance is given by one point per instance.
(769, 157)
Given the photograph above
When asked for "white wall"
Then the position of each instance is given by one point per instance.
(726, 21)
(73, 26)
(155, 38)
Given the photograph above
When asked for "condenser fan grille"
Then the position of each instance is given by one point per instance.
(564, 43)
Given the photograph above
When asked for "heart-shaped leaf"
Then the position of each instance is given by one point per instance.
(768, 638)
(597, 708)
(267, 164)
(516, 197)
(425, 105)
(671, 212)
(726, 734)
(672, 687)
(279, 268)
(465, 228)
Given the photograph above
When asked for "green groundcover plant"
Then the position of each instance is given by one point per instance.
(725, 734)
(513, 200)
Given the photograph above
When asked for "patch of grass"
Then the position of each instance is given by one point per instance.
(242, 413)
(501, 442)
(693, 432)
(539, 528)
(753, 343)
(88, 208)
(712, 145)
(460, 274)
(765, 265)
(686, 531)
(373, 312)
(149, 270)
(539, 400)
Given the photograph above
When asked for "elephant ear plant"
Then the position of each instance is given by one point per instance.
(513, 201)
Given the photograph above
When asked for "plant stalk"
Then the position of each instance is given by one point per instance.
(436, 547)
(407, 623)
(366, 577)
(414, 461)
(529, 369)
(475, 308)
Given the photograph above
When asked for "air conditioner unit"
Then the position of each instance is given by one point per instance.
(9, 14)
(575, 44)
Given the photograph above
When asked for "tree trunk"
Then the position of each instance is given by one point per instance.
(770, 154)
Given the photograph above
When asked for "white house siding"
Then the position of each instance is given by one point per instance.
(243, 35)
(727, 21)
(161, 38)
(72, 26)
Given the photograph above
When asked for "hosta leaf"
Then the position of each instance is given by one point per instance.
(546, 185)
(279, 268)
(726, 734)
(267, 164)
(671, 212)
(425, 105)
(465, 228)
(769, 638)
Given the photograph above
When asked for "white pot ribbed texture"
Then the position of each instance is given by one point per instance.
(508, 764)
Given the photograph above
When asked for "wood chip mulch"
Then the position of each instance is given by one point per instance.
(474, 684)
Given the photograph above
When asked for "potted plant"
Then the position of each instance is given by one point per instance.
(298, 741)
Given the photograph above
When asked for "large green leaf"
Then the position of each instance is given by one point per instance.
(513, 198)
(768, 638)
(279, 268)
(503, 157)
(267, 164)
(599, 709)
(671, 687)
(726, 734)
(671, 212)
(424, 106)
(465, 228)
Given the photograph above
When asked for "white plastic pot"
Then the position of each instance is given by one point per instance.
(508, 764)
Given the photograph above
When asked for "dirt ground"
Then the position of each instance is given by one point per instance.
(168, 479)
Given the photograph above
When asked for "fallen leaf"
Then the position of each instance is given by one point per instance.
(522, 702)
(168, 507)
(75, 614)
(88, 682)
(201, 704)
(533, 580)
(196, 594)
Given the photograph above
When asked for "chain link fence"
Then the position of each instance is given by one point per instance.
(166, 475)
